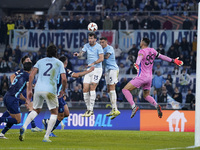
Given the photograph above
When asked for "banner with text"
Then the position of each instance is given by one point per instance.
(73, 40)
(98, 121)
(166, 37)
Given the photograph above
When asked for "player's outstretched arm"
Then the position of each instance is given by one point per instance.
(168, 59)
(80, 74)
(76, 54)
(101, 58)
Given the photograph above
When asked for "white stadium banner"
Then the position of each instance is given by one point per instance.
(167, 37)
(31, 40)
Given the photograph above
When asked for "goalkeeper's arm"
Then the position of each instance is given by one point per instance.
(165, 58)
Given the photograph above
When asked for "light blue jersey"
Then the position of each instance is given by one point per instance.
(48, 71)
(110, 62)
(93, 53)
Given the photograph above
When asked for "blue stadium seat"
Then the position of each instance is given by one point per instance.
(142, 6)
(73, 61)
(80, 61)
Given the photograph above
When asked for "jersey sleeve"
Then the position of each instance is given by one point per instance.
(110, 50)
(62, 69)
(84, 48)
(100, 50)
(140, 52)
(36, 65)
(69, 73)
(155, 52)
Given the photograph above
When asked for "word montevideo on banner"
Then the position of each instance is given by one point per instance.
(69, 39)
(166, 37)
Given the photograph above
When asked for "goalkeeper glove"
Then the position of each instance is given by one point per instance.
(136, 67)
(178, 62)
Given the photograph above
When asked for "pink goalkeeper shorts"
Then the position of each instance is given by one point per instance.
(143, 82)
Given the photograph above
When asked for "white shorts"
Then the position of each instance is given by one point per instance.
(111, 77)
(94, 76)
(39, 97)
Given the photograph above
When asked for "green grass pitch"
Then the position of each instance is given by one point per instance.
(100, 140)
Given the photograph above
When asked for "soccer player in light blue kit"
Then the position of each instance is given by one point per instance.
(111, 75)
(63, 110)
(95, 56)
(48, 70)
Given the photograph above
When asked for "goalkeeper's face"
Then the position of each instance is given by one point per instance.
(92, 40)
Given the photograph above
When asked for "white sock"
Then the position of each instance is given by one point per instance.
(30, 117)
(113, 99)
(86, 97)
(133, 106)
(61, 123)
(92, 99)
(51, 124)
(1, 134)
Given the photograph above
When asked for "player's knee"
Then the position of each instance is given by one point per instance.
(67, 114)
(124, 90)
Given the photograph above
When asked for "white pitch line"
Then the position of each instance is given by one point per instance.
(189, 147)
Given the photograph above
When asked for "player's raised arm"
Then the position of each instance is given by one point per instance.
(168, 59)
(76, 54)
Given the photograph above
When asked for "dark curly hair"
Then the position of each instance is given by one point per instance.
(51, 51)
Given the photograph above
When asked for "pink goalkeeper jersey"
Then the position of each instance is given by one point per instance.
(146, 64)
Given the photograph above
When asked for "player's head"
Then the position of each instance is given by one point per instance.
(103, 42)
(27, 66)
(64, 60)
(51, 51)
(92, 38)
(144, 42)
(25, 59)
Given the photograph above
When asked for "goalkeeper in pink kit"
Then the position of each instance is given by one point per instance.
(144, 65)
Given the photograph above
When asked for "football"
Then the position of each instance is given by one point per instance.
(92, 27)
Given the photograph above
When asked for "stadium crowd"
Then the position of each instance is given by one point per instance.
(162, 86)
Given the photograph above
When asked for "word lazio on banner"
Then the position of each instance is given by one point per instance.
(166, 37)
(73, 40)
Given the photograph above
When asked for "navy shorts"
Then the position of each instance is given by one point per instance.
(62, 103)
(12, 104)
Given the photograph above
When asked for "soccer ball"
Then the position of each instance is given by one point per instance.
(92, 27)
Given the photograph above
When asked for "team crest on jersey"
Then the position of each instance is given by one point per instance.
(108, 35)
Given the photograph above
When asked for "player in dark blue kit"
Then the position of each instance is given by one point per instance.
(12, 96)
(63, 110)
(34, 128)
(22, 101)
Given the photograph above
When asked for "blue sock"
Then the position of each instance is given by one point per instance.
(56, 125)
(7, 127)
(32, 122)
(8, 120)
(5, 114)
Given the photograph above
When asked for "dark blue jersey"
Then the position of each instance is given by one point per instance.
(59, 83)
(18, 84)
